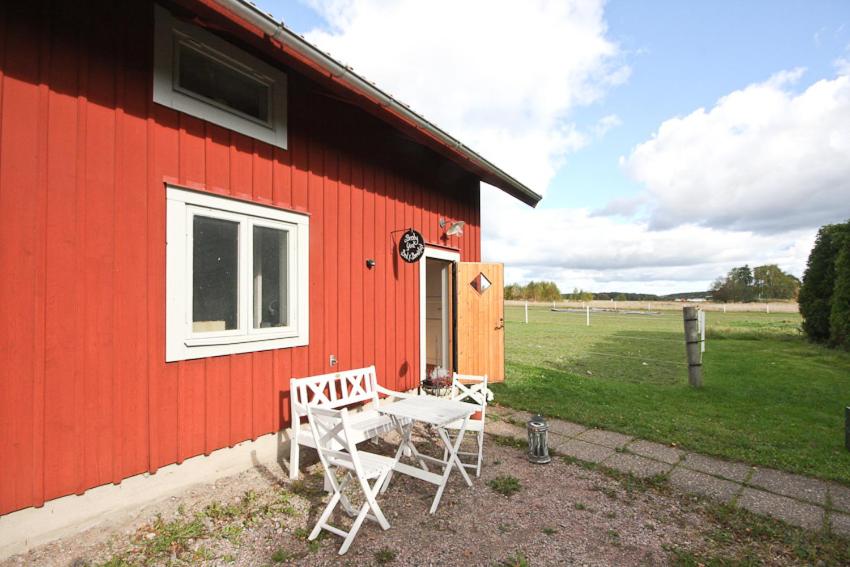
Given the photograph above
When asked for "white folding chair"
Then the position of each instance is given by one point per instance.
(473, 390)
(335, 444)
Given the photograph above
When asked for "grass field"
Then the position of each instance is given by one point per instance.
(769, 397)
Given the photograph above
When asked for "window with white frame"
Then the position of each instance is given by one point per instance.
(236, 276)
(200, 74)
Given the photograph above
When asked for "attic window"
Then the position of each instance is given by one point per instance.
(200, 74)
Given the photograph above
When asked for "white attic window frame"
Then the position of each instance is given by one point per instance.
(171, 35)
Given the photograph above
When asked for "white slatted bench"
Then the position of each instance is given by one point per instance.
(332, 391)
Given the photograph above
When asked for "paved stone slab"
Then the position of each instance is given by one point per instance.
(584, 451)
(638, 466)
(505, 429)
(656, 451)
(499, 411)
(793, 485)
(566, 428)
(696, 482)
(839, 523)
(840, 497)
(718, 467)
(607, 438)
(786, 509)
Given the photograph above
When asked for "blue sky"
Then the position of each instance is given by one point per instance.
(686, 55)
(677, 57)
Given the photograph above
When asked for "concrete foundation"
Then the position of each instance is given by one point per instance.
(30, 527)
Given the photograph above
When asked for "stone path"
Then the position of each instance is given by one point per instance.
(797, 500)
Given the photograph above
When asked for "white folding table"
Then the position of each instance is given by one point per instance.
(438, 412)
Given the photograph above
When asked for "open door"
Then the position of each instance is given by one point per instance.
(481, 319)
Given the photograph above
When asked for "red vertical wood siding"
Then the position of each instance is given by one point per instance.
(85, 395)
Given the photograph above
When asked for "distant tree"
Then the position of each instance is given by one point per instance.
(762, 282)
(818, 284)
(770, 282)
(513, 291)
(737, 286)
(533, 291)
(581, 295)
(839, 317)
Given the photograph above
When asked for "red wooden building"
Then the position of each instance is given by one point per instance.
(195, 206)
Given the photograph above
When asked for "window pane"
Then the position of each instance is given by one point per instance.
(218, 82)
(215, 275)
(271, 305)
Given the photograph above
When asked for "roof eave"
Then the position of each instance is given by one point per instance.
(301, 48)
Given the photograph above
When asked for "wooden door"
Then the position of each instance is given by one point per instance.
(480, 319)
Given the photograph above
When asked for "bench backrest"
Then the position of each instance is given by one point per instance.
(334, 390)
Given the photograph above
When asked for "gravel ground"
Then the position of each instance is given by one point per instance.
(563, 514)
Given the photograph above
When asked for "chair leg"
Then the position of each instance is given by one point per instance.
(355, 527)
(480, 453)
(325, 515)
(294, 451)
(369, 493)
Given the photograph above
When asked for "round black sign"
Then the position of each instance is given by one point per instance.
(411, 246)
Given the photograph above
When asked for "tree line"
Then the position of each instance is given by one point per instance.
(743, 284)
(825, 292)
(533, 291)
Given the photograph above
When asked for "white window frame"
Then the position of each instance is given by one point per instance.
(181, 341)
(169, 32)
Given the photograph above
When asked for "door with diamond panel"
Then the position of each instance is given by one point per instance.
(480, 319)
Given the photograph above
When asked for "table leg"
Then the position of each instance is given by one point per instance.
(452, 461)
(404, 432)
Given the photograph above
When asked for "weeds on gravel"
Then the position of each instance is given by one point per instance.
(505, 484)
(116, 562)
(578, 462)
(550, 531)
(310, 487)
(172, 537)
(509, 442)
(281, 555)
(384, 555)
(515, 560)
(232, 533)
(741, 537)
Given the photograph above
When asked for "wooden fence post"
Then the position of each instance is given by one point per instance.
(526, 313)
(692, 346)
(587, 310)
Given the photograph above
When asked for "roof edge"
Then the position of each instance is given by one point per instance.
(276, 30)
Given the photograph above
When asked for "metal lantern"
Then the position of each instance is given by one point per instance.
(538, 440)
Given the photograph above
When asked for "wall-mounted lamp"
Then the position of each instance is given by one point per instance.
(455, 228)
(370, 263)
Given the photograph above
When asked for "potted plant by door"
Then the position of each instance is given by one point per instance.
(438, 382)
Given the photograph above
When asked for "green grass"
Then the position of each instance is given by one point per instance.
(769, 397)
(505, 484)
(385, 555)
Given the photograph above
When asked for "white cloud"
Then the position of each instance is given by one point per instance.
(501, 76)
(505, 78)
(576, 248)
(605, 124)
(763, 159)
